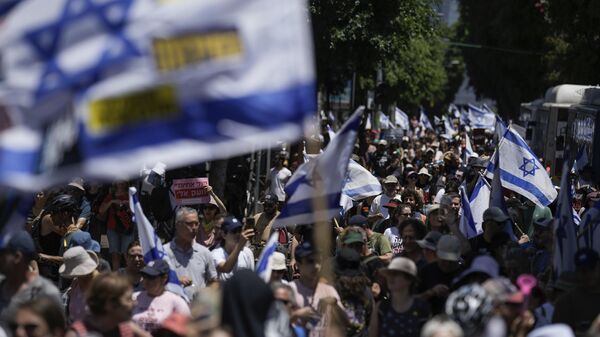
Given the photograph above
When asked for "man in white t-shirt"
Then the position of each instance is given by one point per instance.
(233, 254)
(378, 213)
(278, 177)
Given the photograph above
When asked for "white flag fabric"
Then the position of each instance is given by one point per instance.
(481, 118)
(521, 171)
(265, 263)
(500, 128)
(402, 119)
(473, 207)
(106, 86)
(384, 121)
(321, 178)
(424, 120)
(359, 184)
(368, 123)
(469, 148)
(565, 231)
(449, 126)
(453, 111)
(151, 245)
(479, 201)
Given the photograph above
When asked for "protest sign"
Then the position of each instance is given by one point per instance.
(191, 191)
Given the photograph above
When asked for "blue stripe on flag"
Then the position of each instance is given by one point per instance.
(12, 161)
(306, 205)
(524, 184)
(199, 120)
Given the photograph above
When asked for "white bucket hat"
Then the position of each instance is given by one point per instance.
(78, 262)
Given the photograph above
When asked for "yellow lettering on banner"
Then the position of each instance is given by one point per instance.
(149, 105)
(181, 51)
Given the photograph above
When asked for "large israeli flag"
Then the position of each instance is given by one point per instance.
(150, 242)
(314, 189)
(521, 171)
(481, 118)
(565, 231)
(106, 86)
(401, 119)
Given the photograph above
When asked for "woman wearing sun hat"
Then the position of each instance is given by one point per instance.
(80, 265)
(403, 314)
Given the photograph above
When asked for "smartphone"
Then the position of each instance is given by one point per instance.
(249, 223)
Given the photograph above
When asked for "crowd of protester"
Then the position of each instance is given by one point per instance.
(399, 265)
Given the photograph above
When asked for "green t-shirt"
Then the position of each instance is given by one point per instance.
(379, 244)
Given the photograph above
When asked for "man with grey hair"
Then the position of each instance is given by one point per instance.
(191, 261)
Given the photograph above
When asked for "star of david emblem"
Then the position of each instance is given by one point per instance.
(46, 40)
(528, 167)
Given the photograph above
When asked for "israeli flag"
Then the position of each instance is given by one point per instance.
(424, 120)
(464, 117)
(384, 121)
(402, 119)
(150, 242)
(565, 231)
(321, 178)
(479, 202)
(500, 128)
(359, 184)
(590, 233)
(453, 111)
(471, 222)
(449, 126)
(265, 263)
(521, 171)
(468, 153)
(481, 118)
(106, 86)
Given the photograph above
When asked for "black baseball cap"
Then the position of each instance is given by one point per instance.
(305, 249)
(156, 268)
(230, 224)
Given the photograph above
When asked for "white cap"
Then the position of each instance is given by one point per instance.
(278, 261)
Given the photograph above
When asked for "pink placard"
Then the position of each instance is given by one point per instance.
(190, 191)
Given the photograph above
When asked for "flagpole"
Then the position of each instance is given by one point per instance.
(321, 230)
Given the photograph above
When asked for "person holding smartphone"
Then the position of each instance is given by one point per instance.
(233, 254)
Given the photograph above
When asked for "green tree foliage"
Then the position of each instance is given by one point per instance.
(573, 40)
(402, 36)
(508, 67)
